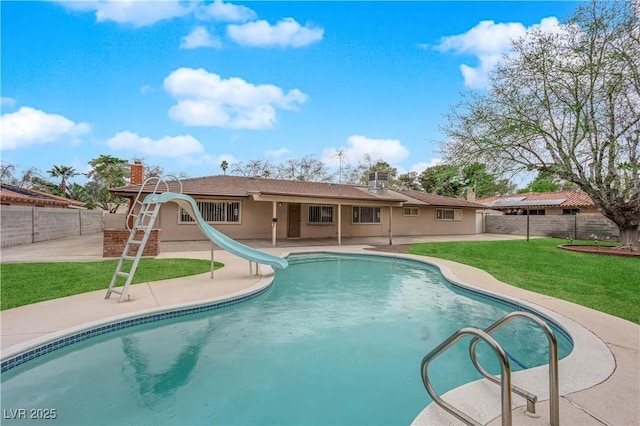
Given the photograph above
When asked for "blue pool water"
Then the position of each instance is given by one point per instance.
(337, 340)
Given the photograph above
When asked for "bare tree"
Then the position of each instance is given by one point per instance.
(7, 171)
(565, 103)
(307, 169)
(253, 168)
(27, 179)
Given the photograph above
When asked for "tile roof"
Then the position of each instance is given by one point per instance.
(11, 193)
(437, 200)
(240, 186)
(539, 199)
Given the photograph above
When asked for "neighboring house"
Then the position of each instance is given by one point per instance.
(566, 202)
(11, 195)
(245, 208)
(560, 214)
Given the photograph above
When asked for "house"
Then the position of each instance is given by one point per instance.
(11, 195)
(247, 208)
(565, 202)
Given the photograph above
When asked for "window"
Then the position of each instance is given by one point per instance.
(411, 211)
(214, 212)
(320, 214)
(570, 211)
(366, 214)
(449, 214)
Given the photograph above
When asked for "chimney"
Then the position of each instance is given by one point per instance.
(137, 173)
(471, 195)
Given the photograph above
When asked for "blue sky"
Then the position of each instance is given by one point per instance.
(185, 85)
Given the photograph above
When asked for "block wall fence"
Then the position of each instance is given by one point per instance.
(25, 225)
(580, 226)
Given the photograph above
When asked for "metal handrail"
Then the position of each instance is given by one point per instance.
(554, 394)
(504, 365)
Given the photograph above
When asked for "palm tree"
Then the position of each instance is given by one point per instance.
(224, 165)
(64, 173)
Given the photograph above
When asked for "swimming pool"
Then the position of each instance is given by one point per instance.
(337, 339)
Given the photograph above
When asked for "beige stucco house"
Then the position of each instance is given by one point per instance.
(249, 208)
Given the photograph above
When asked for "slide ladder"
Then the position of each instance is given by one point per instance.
(505, 378)
(147, 212)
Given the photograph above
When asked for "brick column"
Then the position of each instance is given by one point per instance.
(114, 240)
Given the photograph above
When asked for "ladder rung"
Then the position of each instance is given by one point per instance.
(122, 274)
(144, 227)
(113, 290)
(135, 241)
(129, 257)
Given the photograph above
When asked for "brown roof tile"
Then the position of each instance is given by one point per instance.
(240, 186)
(539, 199)
(13, 193)
(438, 200)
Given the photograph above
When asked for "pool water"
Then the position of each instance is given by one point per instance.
(337, 340)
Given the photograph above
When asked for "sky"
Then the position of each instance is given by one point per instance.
(186, 85)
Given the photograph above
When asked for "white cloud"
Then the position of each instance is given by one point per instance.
(199, 37)
(146, 89)
(389, 150)
(286, 33)
(488, 41)
(206, 99)
(226, 12)
(7, 102)
(277, 153)
(132, 12)
(168, 146)
(29, 126)
(421, 167)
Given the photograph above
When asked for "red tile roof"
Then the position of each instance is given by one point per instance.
(240, 186)
(539, 199)
(11, 193)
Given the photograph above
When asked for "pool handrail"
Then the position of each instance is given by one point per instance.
(504, 366)
(506, 386)
(554, 395)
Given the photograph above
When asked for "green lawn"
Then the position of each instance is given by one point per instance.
(607, 283)
(26, 283)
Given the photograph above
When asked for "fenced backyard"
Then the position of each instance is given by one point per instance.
(580, 226)
(25, 225)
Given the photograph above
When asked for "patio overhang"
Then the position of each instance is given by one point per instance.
(276, 198)
(284, 198)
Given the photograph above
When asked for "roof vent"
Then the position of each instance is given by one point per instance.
(379, 182)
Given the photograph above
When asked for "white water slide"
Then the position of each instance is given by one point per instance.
(220, 239)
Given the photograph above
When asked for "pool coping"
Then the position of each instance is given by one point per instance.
(556, 309)
(35, 348)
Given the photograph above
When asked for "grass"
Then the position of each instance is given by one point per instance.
(609, 284)
(26, 283)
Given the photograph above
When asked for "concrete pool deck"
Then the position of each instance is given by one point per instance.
(612, 364)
